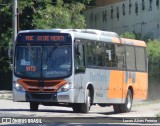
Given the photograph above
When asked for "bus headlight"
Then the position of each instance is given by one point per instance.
(19, 87)
(65, 87)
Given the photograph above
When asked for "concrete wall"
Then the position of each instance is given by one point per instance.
(130, 15)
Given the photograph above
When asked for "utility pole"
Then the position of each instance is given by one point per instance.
(14, 27)
(14, 20)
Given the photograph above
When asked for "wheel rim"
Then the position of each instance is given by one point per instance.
(89, 101)
(129, 102)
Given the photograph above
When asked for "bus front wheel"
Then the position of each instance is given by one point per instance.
(85, 107)
(34, 106)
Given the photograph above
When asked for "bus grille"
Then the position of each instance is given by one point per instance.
(41, 96)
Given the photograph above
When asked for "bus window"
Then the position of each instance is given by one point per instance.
(140, 59)
(91, 54)
(120, 55)
(110, 55)
(79, 55)
(100, 51)
(130, 57)
(27, 61)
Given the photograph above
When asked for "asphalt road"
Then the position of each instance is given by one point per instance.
(143, 113)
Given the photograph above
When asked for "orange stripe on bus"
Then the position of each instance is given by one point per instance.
(115, 40)
(133, 42)
(118, 88)
(115, 84)
(49, 85)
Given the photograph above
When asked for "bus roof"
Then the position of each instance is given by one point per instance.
(91, 34)
(133, 42)
(87, 31)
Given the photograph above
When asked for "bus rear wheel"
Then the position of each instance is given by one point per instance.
(34, 106)
(126, 107)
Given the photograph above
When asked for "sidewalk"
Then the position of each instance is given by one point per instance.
(5, 94)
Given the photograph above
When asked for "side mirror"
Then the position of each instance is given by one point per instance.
(80, 69)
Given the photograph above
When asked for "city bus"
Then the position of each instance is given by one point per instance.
(79, 68)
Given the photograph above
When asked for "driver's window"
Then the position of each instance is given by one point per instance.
(79, 54)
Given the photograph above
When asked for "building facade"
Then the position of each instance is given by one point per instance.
(138, 16)
(107, 2)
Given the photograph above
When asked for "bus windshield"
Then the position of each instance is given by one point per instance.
(43, 61)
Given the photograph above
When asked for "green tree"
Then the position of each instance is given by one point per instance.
(60, 16)
(87, 3)
(36, 14)
(5, 33)
(153, 49)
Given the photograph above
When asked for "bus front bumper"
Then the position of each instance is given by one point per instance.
(66, 97)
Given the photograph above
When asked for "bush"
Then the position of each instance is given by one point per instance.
(153, 50)
(128, 35)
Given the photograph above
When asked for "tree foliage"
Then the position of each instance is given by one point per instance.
(128, 35)
(36, 14)
(60, 16)
(33, 14)
(153, 49)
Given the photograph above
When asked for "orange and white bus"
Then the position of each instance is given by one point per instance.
(79, 68)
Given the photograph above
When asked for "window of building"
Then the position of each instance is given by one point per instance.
(140, 58)
(130, 58)
(130, 6)
(104, 16)
(143, 5)
(157, 4)
(136, 8)
(117, 13)
(150, 5)
(123, 8)
(111, 12)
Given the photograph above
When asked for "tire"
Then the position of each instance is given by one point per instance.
(34, 106)
(76, 108)
(126, 107)
(85, 107)
(116, 108)
(128, 103)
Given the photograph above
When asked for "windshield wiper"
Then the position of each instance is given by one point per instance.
(50, 53)
(30, 49)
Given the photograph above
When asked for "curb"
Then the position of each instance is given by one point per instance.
(6, 95)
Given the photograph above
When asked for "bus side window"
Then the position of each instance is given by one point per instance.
(100, 52)
(130, 57)
(111, 60)
(91, 53)
(120, 54)
(79, 55)
(141, 64)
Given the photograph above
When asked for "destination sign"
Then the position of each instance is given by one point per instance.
(46, 37)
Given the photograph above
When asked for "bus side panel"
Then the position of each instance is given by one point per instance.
(116, 84)
(141, 86)
(79, 88)
(99, 79)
